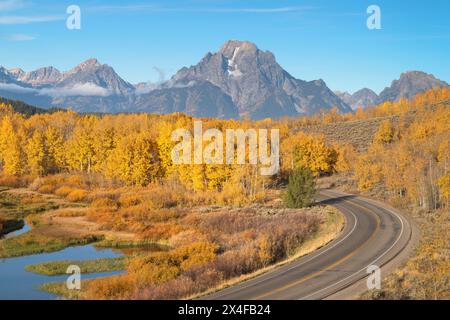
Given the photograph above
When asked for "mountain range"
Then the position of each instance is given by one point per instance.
(239, 80)
(407, 86)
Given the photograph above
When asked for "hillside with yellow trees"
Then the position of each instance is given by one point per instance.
(119, 168)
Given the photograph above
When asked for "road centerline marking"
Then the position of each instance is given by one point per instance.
(343, 259)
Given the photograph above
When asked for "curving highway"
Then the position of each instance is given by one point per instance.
(374, 234)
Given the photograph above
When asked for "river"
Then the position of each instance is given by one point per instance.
(18, 284)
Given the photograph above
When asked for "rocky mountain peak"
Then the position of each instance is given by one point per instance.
(16, 72)
(229, 47)
(257, 84)
(409, 84)
(90, 63)
(361, 98)
(41, 76)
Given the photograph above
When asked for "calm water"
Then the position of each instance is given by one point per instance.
(16, 233)
(16, 283)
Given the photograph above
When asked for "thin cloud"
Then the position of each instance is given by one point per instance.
(11, 20)
(154, 8)
(11, 5)
(20, 37)
(256, 10)
(16, 88)
(85, 90)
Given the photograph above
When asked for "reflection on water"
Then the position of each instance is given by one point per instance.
(16, 233)
(16, 283)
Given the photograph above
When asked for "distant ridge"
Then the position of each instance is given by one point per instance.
(24, 108)
(407, 86)
(238, 81)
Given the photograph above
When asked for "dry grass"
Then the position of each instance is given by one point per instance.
(77, 195)
(328, 230)
(357, 133)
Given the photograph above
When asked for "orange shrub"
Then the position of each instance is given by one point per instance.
(77, 195)
(63, 191)
(11, 181)
(46, 188)
(114, 288)
(186, 237)
(104, 203)
(129, 200)
(161, 231)
(75, 181)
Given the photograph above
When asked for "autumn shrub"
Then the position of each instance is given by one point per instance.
(63, 191)
(161, 197)
(77, 195)
(104, 203)
(118, 287)
(161, 231)
(240, 261)
(75, 181)
(106, 218)
(185, 237)
(129, 200)
(152, 272)
(47, 184)
(11, 181)
(193, 281)
(195, 254)
(95, 194)
(46, 188)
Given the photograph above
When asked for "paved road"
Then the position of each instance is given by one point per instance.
(374, 234)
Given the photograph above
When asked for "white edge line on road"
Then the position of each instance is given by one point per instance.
(365, 268)
(296, 266)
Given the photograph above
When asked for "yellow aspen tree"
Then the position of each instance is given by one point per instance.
(385, 133)
(104, 143)
(11, 144)
(145, 162)
(37, 154)
(81, 146)
(346, 157)
(165, 147)
(56, 151)
(367, 172)
(308, 151)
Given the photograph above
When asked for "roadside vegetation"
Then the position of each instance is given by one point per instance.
(405, 163)
(301, 189)
(112, 181)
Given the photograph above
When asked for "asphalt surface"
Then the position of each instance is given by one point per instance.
(374, 234)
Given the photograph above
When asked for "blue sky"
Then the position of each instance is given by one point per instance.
(311, 39)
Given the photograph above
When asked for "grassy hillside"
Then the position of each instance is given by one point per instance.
(358, 133)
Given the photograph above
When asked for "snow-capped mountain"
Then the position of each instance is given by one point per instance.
(257, 84)
(239, 80)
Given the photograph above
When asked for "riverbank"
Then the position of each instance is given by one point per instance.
(199, 241)
(328, 230)
(54, 224)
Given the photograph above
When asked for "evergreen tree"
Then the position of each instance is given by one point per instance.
(301, 189)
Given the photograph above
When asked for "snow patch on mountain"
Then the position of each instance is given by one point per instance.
(233, 70)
